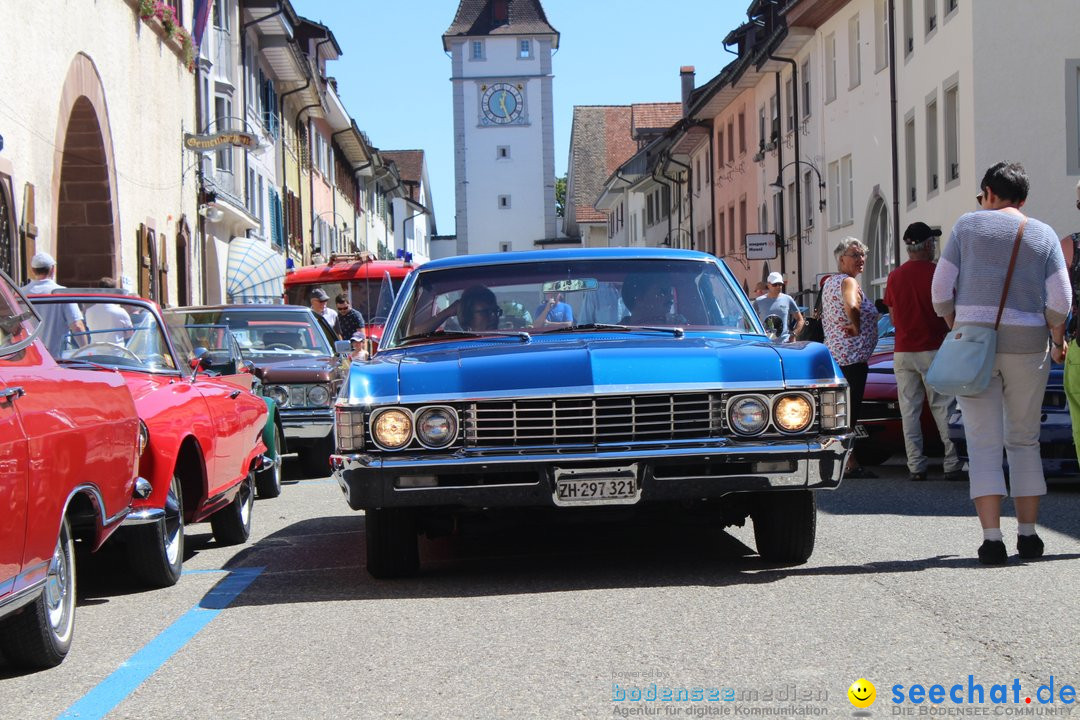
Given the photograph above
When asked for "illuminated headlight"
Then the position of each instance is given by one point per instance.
(436, 427)
(748, 415)
(279, 394)
(793, 413)
(834, 414)
(349, 427)
(144, 438)
(391, 428)
(318, 395)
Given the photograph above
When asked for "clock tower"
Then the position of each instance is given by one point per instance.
(504, 148)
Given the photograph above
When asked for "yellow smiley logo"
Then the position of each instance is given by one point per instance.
(862, 693)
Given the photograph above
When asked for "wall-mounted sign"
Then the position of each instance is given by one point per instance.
(761, 246)
(208, 143)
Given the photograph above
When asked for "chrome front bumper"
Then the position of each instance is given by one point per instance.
(524, 477)
(307, 424)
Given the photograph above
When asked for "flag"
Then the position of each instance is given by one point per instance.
(200, 17)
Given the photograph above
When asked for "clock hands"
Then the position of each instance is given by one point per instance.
(502, 104)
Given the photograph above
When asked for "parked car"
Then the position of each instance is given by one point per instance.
(70, 440)
(370, 284)
(292, 350)
(205, 432)
(224, 357)
(1055, 436)
(683, 400)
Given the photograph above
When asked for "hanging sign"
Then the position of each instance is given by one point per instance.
(760, 246)
(208, 143)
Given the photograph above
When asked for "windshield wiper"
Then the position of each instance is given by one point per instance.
(434, 334)
(676, 331)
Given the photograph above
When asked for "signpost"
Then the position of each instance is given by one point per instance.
(761, 246)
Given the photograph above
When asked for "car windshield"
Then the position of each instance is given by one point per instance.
(372, 298)
(265, 334)
(119, 334)
(570, 295)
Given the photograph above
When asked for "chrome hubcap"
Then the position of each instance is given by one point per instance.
(173, 524)
(58, 586)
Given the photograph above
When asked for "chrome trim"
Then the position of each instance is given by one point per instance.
(23, 597)
(307, 430)
(117, 517)
(143, 488)
(146, 516)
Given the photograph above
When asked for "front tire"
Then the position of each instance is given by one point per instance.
(392, 543)
(232, 523)
(39, 636)
(156, 552)
(785, 525)
(268, 482)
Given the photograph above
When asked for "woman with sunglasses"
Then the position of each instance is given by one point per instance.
(478, 310)
(849, 320)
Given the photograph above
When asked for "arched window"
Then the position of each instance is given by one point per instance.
(878, 240)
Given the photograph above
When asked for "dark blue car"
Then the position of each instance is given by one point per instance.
(657, 386)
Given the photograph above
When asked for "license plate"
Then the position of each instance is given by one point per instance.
(860, 432)
(597, 486)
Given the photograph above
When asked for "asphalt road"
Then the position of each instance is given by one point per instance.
(531, 620)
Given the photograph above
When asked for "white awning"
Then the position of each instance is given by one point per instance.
(256, 272)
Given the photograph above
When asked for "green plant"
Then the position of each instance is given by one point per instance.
(147, 9)
(187, 48)
(168, 18)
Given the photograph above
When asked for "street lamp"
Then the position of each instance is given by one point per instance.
(778, 184)
(343, 232)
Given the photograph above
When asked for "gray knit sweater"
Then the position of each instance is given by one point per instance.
(971, 274)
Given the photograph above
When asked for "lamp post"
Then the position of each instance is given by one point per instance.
(778, 185)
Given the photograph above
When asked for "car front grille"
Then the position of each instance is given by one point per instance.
(594, 420)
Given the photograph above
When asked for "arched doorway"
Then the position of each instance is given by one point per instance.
(880, 261)
(84, 233)
(7, 231)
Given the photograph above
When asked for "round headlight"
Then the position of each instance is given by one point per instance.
(278, 393)
(436, 427)
(318, 395)
(392, 429)
(748, 415)
(793, 413)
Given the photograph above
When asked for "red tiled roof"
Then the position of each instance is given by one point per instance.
(655, 116)
(601, 143)
(410, 163)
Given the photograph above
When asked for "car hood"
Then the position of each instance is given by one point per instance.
(583, 366)
(298, 370)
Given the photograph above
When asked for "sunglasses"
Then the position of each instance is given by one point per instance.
(776, 284)
(496, 312)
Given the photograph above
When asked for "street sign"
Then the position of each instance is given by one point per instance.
(761, 246)
(208, 143)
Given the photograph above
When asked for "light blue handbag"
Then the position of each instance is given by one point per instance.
(965, 361)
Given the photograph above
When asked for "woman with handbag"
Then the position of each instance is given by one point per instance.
(849, 320)
(1001, 269)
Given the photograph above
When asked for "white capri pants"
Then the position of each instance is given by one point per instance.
(1007, 414)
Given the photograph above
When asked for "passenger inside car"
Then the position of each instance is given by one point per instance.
(650, 299)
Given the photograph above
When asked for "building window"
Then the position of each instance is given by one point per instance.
(933, 167)
(524, 49)
(504, 202)
(950, 7)
(502, 152)
(830, 67)
(477, 49)
(909, 28)
(805, 88)
(881, 35)
(847, 182)
(841, 191)
(697, 176)
(500, 12)
(881, 257)
(931, 16)
(789, 98)
(504, 247)
(761, 125)
(221, 15)
(854, 54)
(731, 227)
(731, 139)
(720, 147)
(807, 199)
(222, 115)
(722, 240)
(792, 210)
(952, 120)
(909, 158)
(774, 118)
(708, 168)
(742, 131)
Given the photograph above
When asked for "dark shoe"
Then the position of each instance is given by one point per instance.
(1029, 547)
(917, 476)
(860, 473)
(993, 552)
(955, 476)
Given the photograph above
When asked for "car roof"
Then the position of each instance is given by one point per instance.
(534, 256)
(235, 308)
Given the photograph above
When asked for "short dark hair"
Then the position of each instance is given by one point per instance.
(341, 298)
(1009, 181)
(106, 282)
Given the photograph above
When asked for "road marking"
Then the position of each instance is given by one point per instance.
(113, 690)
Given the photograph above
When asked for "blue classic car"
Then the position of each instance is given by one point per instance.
(579, 379)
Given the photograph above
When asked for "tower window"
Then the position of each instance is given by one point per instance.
(503, 152)
(525, 49)
(504, 202)
(477, 49)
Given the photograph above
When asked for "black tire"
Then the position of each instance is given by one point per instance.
(232, 523)
(39, 636)
(785, 525)
(315, 459)
(156, 552)
(392, 543)
(268, 481)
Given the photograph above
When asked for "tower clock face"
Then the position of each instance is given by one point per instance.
(502, 103)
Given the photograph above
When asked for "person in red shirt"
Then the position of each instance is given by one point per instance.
(919, 333)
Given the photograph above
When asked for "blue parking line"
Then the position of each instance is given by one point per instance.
(113, 690)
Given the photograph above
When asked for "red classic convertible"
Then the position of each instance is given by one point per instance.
(69, 445)
(205, 431)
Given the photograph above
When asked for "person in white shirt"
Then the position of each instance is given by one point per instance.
(108, 322)
(319, 300)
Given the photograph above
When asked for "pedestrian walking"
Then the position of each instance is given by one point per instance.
(849, 319)
(919, 332)
(967, 290)
(349, 319)
(778, 304)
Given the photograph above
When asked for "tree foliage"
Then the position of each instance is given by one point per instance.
(560, 196)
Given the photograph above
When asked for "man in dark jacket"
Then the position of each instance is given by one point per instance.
(349, 319)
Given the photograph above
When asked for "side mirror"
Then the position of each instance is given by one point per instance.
(200, 362)
(343, 347)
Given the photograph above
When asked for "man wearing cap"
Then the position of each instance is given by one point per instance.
(319, 300)
(919, 333)
(779, 304)
(59, 319)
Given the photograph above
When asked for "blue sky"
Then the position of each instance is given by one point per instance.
(394, 77)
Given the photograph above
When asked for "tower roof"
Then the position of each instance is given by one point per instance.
(500, 17)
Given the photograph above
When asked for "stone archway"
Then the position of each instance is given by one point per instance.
(84, 182)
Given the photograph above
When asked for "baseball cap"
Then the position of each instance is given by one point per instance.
(917, 233)
(42, 260)
(357, 336)
(775, 278)
(319, 294)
